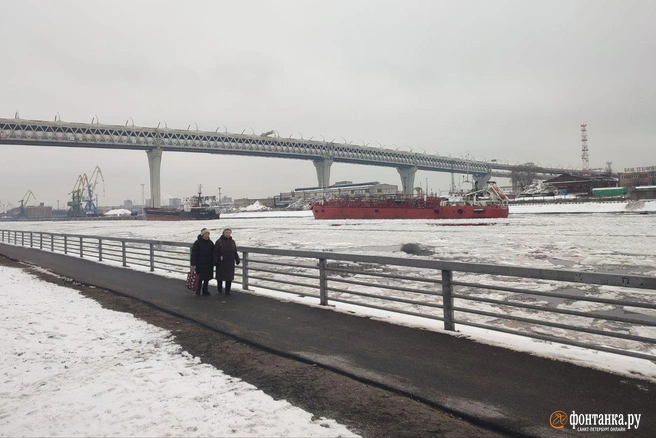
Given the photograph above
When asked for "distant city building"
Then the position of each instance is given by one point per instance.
(640, 181)
(581, 185)
(38, 212)
(638, 176)
(175, 202)
(348, 188)
(127, 204)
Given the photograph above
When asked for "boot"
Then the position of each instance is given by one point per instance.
(228, 286)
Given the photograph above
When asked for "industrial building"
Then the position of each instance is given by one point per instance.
(638, 176)
(348, 188)
(580, 185)
(634, 183)
(640, 182)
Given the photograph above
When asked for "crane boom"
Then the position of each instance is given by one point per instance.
(24, 201)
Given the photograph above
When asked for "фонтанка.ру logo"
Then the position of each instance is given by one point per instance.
(595, 422)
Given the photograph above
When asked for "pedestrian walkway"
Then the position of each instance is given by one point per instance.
(504, 389)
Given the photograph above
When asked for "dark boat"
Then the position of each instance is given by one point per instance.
(486, 203)
(194, 209)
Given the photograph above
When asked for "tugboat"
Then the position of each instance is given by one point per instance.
(487, 203)
(193, 209)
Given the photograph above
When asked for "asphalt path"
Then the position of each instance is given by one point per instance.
(505, 390)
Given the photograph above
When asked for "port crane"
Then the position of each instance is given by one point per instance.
(24, 201)
(6, 208)
(90, 208)
(83, 193)
(76, 197)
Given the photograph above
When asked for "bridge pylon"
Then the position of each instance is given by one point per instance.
(323, 171)
(407, 178)
(155, 164)
(480, 180)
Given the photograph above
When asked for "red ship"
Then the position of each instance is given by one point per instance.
(486, 203)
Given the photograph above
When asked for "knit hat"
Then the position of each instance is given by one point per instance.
(204, 230)
(226, 229)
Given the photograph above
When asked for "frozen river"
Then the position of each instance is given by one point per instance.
(591, 242)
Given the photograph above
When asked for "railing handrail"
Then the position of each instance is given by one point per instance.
(161, 254)
(568, 275)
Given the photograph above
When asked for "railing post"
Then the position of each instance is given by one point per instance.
(244, 271)
(40, 240)
(447, 299)
(152, 258)
(31, 240)
(65, 244)
(81, 251)
(52, 243)
(100, 250)
(323, 283)
(22, 238)
(125, 260)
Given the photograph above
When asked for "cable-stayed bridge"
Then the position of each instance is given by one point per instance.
(323, 153)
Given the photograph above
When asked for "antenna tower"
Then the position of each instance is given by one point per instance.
(584, 149)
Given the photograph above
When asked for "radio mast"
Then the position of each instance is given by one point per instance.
(584, 149)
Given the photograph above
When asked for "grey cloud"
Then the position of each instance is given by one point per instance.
(510, 80)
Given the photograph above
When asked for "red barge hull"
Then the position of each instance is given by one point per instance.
(441, 212)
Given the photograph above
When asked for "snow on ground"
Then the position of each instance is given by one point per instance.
(569, 206)
(71, 368)
(118, 212)
(256, 206)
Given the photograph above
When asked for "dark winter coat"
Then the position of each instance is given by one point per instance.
(201, 257)
(225, 257)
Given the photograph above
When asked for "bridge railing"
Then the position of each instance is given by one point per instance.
(599, 311)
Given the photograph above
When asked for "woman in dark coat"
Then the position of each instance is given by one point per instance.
(201, 260)
(225, 257)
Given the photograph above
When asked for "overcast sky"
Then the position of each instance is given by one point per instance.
(510, 80)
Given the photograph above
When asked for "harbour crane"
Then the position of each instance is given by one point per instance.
(24, 201)
(76, 196)
(6, 208)
(83, 194)
(90, 208)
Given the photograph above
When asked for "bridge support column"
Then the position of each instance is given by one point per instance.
(155, 163)
(480, 180)
(407, 178)
(323, 171)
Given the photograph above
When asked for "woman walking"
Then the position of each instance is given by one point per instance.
(225, 257)
(201, 260)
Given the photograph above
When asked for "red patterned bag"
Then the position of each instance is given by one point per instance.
(193, 281)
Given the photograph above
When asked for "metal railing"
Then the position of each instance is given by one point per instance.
(600, 311)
